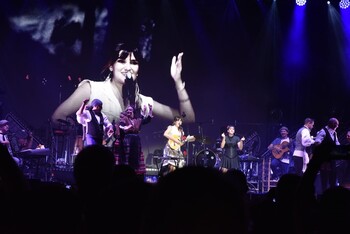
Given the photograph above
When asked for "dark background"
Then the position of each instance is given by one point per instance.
(236, 62)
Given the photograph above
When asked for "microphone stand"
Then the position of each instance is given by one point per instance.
(188, 147)
(200, 133)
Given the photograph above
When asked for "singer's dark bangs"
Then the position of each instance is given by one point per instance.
(126, 49)
(121, 51)
(123, 54)
(177, 118)
(230, 126)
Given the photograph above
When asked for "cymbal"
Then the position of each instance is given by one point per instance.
(203, 139)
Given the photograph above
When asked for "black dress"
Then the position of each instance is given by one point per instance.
(230, 158)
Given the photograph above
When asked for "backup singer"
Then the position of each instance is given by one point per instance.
(328, 170)
(129, 151)
(94, 122)
(230, 145)
(303, 140)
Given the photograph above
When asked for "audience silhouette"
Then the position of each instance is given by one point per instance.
(196, 200)
(110, 198)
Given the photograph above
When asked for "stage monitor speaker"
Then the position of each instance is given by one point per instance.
(63, 175)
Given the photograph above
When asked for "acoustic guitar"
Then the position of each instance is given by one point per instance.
(279, 150)
(175, 146)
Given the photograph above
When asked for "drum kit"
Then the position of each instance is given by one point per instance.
(207, 157)
(211, 158)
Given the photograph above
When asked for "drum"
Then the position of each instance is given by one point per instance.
(207, 158)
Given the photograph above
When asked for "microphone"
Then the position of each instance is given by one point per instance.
(88, 107)
(128, 75)
(183, 115)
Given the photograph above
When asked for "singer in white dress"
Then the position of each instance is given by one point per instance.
(120, 89)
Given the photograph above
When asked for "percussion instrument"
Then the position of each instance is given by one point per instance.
(207, 158)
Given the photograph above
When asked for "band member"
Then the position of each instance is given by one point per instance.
(94, 122)
(4, 140)
(230, 145)
(130, 149)
(344, 179)
(172, 150)
(281, 148)
(303, 140)
(328, 170)
(26, 142)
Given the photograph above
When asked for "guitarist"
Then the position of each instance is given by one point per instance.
(174, 133)
(281, 150)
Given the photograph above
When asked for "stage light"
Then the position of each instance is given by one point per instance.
(300, 2)
(344, 4)
(328, 2)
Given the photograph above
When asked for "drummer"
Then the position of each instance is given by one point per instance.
(230, 143)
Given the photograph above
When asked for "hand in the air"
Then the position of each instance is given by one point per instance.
(86, 101)
(150, 110)
(176, 67)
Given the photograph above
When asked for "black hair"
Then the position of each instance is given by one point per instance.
(309, 120)
(230, 126)
(177, 118)
(122, 50)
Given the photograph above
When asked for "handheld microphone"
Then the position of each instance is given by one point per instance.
(88, 107)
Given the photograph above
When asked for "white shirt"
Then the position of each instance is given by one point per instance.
(322, 134)
(86, 117)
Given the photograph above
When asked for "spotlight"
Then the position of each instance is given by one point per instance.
(328, 2)
(300, 2)
(344, 4)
